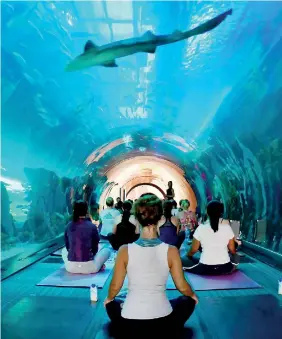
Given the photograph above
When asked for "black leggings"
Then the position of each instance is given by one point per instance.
(193, 266)
(165, 327)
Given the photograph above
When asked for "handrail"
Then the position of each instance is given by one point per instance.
(275, 257)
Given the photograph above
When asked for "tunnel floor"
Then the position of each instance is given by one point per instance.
(37, 312)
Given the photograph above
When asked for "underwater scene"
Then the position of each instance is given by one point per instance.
(116, 98)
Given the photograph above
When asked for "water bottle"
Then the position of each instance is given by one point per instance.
(93, 293)
(280, 286)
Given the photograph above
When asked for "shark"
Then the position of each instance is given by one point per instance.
(106, 55)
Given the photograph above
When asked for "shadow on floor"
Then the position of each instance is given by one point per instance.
(108, 332)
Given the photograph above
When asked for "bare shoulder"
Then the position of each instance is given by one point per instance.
(122, 254)
(123, 249)
(172, 256)
(173, 251)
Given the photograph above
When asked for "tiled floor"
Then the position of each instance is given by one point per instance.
(34, 312)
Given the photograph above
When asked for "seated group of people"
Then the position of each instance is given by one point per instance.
(124, 228)
(147, 261)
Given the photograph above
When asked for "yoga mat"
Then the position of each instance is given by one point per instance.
(43, 317)
(57, 253)
(62, 278)
(241, 317)
(236, 280)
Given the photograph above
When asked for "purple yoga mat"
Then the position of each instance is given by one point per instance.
(61, 278)
(236, 280)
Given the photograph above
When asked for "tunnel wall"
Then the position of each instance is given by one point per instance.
(242, 161)
(211, 105)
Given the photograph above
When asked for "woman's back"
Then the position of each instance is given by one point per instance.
(168, 232)
(147, 273)
(214, 244)
(81, 237)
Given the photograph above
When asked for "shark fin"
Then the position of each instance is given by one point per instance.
(150, 49)
(110, 64)
(149, 35)
(177, 31)
(90, 45)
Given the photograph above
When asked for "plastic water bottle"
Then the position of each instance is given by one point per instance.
(280, 286)
(93, 293)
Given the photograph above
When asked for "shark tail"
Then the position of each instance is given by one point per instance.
(209, 25)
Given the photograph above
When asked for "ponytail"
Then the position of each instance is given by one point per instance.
(215, 211)
(214, 221)
(126, 212)
(125, 216)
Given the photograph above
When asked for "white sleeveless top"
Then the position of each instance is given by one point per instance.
(214, 244)
(147, 273)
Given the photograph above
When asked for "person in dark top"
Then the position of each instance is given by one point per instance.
(119, 205)
(170, 191)
(126, 228)
(81, 254)
(168, 227)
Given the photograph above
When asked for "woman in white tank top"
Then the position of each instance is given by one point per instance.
(216, 239)
(147, 264)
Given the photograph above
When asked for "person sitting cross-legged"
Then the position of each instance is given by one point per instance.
(216, 240)
(81, 254)
(147, 312)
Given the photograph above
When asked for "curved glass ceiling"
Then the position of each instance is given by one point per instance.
(211, 103)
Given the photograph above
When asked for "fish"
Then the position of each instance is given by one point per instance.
(106, 55)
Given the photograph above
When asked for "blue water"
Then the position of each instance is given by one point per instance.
(211, 104)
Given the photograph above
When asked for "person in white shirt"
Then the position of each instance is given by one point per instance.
(146, 311)
(107, 217)
(216, 239)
